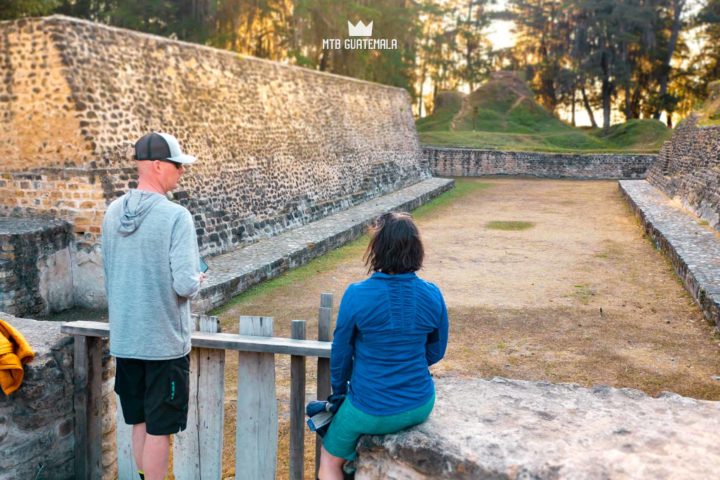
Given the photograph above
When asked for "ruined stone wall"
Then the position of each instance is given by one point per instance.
(37, 421)
(688, 168)
(71, 194)
(470, 162)
(35, 266)
(278, 146)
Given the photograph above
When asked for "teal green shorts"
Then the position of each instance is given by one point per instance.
(349, 424)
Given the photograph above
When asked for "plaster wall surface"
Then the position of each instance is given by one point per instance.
(36, 271)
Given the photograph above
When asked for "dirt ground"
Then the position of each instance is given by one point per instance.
(581, 296)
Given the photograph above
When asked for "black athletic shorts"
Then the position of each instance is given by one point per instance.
(154, 392)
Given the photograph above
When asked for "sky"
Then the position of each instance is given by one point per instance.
(500, 32)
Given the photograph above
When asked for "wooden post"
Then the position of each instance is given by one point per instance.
(211, 403)
(197, 451)
(323, 364)
(257, 418)
(87, 400)
(297, 405)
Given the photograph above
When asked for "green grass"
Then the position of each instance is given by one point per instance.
(354, 249)
(509, 225)
(636, 134)
(583, 293)
(502, 119)
(634, 138)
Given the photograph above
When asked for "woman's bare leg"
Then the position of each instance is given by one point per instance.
(330, 466)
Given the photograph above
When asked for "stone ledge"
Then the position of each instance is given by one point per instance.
(234, 272)
(471, 162)
(693, 249)
(510, 429)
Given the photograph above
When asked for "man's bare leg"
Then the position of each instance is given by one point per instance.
(138, 444)
(156, 455)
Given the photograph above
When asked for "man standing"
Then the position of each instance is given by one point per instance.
(150, 255)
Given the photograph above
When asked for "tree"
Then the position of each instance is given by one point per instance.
(707, 60)
(472, 44)
(12, 9)
(674, 22)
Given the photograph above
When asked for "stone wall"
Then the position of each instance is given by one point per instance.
(35, 266)
(469, 162)
(37, 421)
(688, 168)
(278, 146)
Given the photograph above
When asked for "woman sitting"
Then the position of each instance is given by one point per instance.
(390, 329)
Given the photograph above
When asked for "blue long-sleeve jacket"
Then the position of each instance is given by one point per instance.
(390, 329)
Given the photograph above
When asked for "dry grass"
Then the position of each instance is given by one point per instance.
(581, 297)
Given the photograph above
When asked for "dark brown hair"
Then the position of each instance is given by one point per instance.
(395, 246)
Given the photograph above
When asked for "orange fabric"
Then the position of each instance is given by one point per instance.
(14, 353)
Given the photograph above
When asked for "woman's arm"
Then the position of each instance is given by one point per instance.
(341, 353)
(438, 338)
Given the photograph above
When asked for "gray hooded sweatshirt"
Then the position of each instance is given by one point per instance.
(150, 254)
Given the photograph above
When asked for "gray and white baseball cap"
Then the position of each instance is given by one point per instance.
(161, 146)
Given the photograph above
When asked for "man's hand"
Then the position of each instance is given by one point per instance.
(202, 278)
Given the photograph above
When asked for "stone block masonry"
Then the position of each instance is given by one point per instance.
(37, 421)
(278, 146)
(693, 248)
(469, 162)
(688, 168)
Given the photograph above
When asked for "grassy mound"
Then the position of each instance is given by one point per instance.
(503, 114)
(644, 134)
(447, 104)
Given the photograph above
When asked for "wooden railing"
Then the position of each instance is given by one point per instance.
(197, 451)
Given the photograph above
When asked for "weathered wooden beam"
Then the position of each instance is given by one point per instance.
(323, 364)
(186, 449)
(297, 406)
(211, 403)
(87, 400)
(222, 341)
(256, 435)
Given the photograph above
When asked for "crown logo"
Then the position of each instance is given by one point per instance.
(360, 30)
